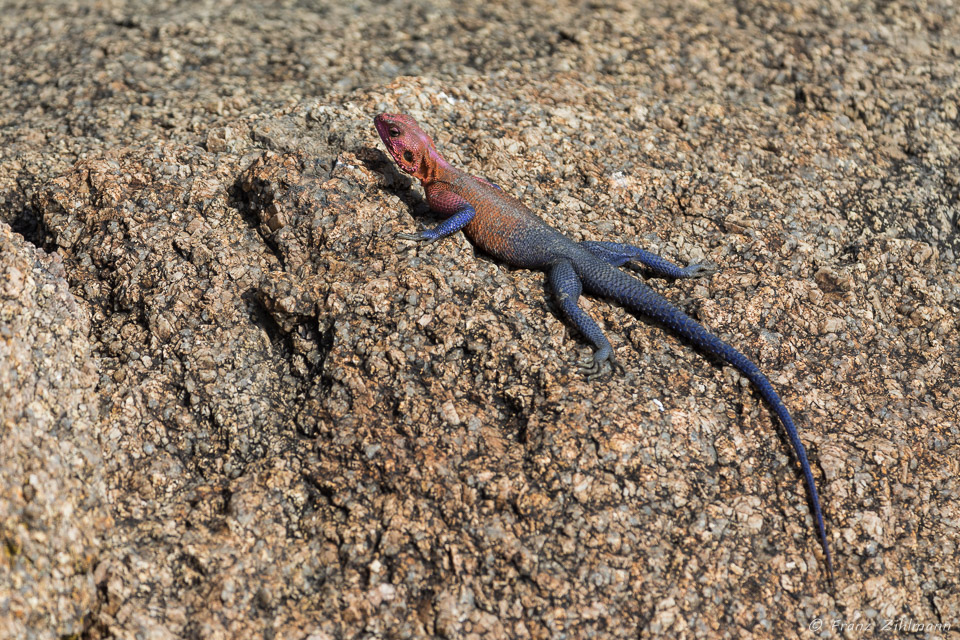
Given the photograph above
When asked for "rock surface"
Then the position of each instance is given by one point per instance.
(236, 405)
(52, 512)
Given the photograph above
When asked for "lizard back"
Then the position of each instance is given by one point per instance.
(504, 227)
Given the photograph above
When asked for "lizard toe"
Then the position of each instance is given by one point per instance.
(589, 367)
(699, 270)
(426, 236)
(600, 365)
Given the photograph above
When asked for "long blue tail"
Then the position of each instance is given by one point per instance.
(632, 293)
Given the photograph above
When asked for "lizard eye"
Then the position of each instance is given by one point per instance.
(408, 156)
(394, 132)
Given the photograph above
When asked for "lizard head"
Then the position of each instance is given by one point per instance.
(409, 146)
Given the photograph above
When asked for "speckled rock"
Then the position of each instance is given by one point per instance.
(308, 428)
(52, 516)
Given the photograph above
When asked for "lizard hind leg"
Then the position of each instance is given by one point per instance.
(567, 286)
(619, 254)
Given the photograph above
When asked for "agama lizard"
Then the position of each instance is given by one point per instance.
(502, 226)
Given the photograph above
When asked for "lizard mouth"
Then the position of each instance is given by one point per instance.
(381, 124)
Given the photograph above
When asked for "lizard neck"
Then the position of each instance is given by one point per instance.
(435, 168)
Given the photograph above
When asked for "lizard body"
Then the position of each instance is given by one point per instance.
(502, 226)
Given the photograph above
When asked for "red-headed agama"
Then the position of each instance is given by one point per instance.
(502, 226)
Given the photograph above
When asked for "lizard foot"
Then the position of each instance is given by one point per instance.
(426, 236)
(597, 368)
(698, 270)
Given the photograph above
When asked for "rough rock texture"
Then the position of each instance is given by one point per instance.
(263, 415)
(51, 471)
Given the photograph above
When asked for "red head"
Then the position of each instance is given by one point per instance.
(409, 146)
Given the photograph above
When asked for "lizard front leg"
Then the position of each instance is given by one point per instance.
(444, 202)
(451, 225)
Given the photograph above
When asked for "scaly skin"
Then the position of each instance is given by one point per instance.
(502, 226)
